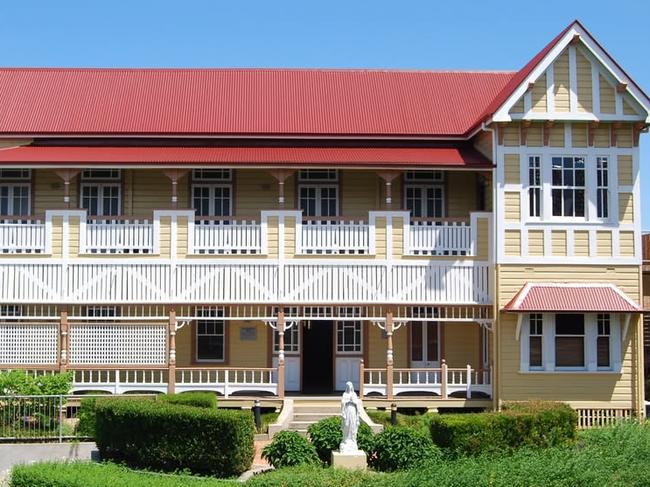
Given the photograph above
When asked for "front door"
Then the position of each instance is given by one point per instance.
(425, 344)
(317, 365)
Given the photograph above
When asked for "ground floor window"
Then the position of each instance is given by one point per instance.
(211, 338)
(570, 342)
(291, 339)
(348, 337)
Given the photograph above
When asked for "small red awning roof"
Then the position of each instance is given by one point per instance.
(452, 157)
(565, 298)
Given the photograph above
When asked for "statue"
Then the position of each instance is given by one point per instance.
(350, 406)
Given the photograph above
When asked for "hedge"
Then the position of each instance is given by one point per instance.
(402, 448)
(196, 399)
(86, 474)
(289, 449)
(19, 382)
(535, 425)
(168, 437)
(326, 435)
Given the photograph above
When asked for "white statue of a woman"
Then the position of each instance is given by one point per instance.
(350, 406)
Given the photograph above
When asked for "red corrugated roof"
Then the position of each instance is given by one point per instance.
(372, 156)
(563, 298)
(244, 101)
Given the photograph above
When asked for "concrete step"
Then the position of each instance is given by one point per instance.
(329, 410)
(313, 417)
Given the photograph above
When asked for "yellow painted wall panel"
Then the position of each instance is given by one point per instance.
(518, 107)
(150, 189)
(461, 344)
(624, 137)
(559, 243)
(535, 242)
(581, 243)
(561, 82)
(461, 194)
(585, 91)
(625, 174)
(359, 192)
(257, 190)
(556, 138)
(181, 243)
(184, 338)
(535, 135)
(538, 95)
(604, 243)
(165, 236)
(579, 137)
(627, 107)
(247, 353)
(511, 169)
(511, 135)
(57, 237)
(626, 243)
(626, 207)
(513, 242)
(483, 238)
(601, 136)
(376, 347)
(47, 191)
(512, 206)
(607, 96)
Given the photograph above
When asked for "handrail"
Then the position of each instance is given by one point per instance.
(440, 220)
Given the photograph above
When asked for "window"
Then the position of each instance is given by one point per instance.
(211, 200)
(534, 186)
(291, 339)
(21, 174)
(424, 201)
(422, 176)
(603, 340)
(210, 335)
(602, 195)
(319, 200)
(569, 340)
(535, 322)
(15, 199)
(100, 195)
(102, 311)
(224, 175)
(11, 310)
(568, 186)
(348, 336)
(324, 175)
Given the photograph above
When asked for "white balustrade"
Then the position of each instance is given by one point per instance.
(227, 381)
(439, 237)
(227, 236)
(120, 380)
(19, 236)
(334, 236)
(118, 236)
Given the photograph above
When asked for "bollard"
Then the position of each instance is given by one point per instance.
(257, 412)
(393, 414)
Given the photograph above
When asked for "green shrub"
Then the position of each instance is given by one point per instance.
(86, 417)
(402, 448)
(535, 425)
(20, 382)
(162, 436)
(326, 436)
(289, 449)
(86, 474)
(196, 399)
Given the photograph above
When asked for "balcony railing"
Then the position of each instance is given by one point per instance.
(334, 236)
(118, 235)
(440, 237)
(22, 236)
(227, 236)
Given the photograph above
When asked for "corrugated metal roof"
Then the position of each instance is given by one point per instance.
(358, 156)
(571, 298)
(244, 101)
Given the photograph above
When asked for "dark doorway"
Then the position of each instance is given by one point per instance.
(317, 367)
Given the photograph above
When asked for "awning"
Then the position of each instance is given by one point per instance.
(439, 157)
(571, 298)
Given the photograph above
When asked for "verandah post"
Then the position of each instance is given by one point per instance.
(389, 354)
(361, 374)
(280, 326)
(63, 340)
(171, 353)
(443, 381)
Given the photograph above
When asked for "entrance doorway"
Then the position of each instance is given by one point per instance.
(425, 344)
(317, 365)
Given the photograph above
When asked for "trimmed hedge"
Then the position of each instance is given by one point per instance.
(86, 474)
(289, 449)
(168, 437)
(402, 448)
(326, 436)
(196, 399)
(535, 425)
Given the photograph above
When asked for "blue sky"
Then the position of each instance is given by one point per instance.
(432, 34)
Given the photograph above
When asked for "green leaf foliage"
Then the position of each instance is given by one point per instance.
(197, 399)
(289, 449)
(168, 437)
(19, 382)
(326, 435)
(534, 425)
(401, 448)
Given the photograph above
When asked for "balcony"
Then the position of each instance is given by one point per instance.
(22, 235)
(117, 235)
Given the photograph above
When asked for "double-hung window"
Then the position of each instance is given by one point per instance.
(212, 192)
(101, 192)
(15, 192)
(603, 346)
(602, 191)
(569, 340)
(348, 337)
(535, 338)
(568, 186)
(318, 192)
(534, 186)
(210, 335)
(424, 193)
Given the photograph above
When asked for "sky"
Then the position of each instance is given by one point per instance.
(433, 34)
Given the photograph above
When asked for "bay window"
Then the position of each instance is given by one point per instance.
(569, 340)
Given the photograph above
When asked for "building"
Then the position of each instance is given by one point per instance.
(463, 238)
(646, 305)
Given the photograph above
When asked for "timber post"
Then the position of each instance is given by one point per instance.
(389, 354)
(64, 328)
(171, 353)
(281, 371)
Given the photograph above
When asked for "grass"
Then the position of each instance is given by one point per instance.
(267, 419)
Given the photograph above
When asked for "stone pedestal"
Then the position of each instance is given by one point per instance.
(351, 461)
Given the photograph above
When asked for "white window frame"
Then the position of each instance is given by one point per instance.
(590, 345)
(533, 319)
(606, 319)
(100, 198)
(96, 174)
(319, 199)
(358, 346)
(211, 198)
(603, 172)
(24, 174)
(312, 175)
(11, 188)
(423, 198)
(573, 187)
(210, 315)
(428, 177)
(212, 175)
(291, 340)
(535, 164)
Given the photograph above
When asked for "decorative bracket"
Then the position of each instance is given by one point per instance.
(181, 323)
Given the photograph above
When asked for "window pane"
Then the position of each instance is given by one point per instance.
(432, 341)
(569, 351)
(556, 195)
(535, 357)
(580, 202)
(603, 351)
(416, 341)
(569, 324)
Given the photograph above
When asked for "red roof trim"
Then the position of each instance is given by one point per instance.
(452, 157)
(586, 298)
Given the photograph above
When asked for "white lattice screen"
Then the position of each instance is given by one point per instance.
(29, 343)
(113, 344)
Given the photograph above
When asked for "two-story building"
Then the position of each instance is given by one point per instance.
(461, 237)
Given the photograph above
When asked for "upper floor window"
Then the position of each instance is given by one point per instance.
(568, 186)
(15, 192)
(212, 192)
(424, 194)
(101, 192)
(602, 176)
(534, 186)
(318, 192)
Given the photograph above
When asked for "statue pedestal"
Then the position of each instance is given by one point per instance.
(351, 460)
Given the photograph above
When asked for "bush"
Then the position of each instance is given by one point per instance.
(326, 436)
(162, 436)
(535, 425)
(401, 448)
(289, 449)
(86, 474)
(196, 399)
(19, 382)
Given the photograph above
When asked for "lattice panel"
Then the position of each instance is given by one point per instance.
(117, 344)
(28, 343)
